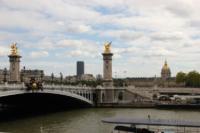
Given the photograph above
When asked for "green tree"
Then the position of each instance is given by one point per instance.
(180, 77)
(193, 79)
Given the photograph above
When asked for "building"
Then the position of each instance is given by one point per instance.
(79, 68)
(4, 75)
(26, 75)
(165, 71)
(88, 77)
(99, 77)
(164, 81)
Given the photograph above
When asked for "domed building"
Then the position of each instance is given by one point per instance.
(165, 72)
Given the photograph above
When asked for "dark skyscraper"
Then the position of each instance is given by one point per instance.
(80, 68)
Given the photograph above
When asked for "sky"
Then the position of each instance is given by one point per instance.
(53, 34)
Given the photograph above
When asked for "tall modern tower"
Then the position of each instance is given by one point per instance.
(80, 68)
(107, 65)
(14, 59)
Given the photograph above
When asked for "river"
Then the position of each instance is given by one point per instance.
(87, 120)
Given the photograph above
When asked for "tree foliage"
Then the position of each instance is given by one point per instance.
(180, 77)
(191, 79)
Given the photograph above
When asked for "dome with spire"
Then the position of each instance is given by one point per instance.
(165, 72)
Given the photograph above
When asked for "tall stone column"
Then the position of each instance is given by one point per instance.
(107, 93)
(107, 66)
(14, 59)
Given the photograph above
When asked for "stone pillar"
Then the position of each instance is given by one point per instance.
(107, 95)
(107, 69)
(14, 68)
(14, 59)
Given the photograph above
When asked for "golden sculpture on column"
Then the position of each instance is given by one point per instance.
(14, 49)
(107, 47)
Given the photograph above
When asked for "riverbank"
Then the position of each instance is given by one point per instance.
(125, 105)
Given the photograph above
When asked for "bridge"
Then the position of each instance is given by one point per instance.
(55, 94)
(83, 95)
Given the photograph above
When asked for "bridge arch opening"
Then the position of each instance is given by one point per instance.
(42, 101)
(103, 97)
(120, 96)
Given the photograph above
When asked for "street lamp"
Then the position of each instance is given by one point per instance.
(52, 78)
(22, 76)
(61, 77)
(42, 76)
(5, 72)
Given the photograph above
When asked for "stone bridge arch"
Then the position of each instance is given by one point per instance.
(49, 96)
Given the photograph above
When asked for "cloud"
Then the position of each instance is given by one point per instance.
(39, 54)
(4, 51)
(195, 23)
(83, 45)
(167, 36)
(79, 29)
(159, 52)
(184, 9)
(139, 30)
(125, 35)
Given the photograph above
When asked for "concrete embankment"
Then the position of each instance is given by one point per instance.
(148, 105)
(126, 105)
(177, 106)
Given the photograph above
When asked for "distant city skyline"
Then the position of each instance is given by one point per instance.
(53, 35)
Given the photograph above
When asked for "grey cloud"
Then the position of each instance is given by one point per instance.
(180, 9)
(159, 36)
(195, 23)
(125, 35)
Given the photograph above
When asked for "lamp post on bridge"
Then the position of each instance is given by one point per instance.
(61, 77)
(5, 73)
(42, 76)
(22, 74)
(52, 78)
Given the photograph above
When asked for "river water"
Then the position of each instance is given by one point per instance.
(87, 120)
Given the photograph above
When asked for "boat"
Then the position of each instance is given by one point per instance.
(135, 125)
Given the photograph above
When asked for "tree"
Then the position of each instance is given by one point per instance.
(180, 77)
(193, 79)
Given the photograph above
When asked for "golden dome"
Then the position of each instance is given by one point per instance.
(165, 72)
(165, 66)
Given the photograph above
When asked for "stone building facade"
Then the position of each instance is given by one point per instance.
(4, 75)
(165, 80)
(26, 75)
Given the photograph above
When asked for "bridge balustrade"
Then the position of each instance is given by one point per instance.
(85, 92)
(8, 87)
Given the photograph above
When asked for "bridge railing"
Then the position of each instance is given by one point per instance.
(67, 87)
(85, 92)
(7, 87)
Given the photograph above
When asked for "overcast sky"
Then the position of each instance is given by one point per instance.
(53, 34)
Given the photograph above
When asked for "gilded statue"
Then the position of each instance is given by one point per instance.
(107, 47)
(14, 50)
